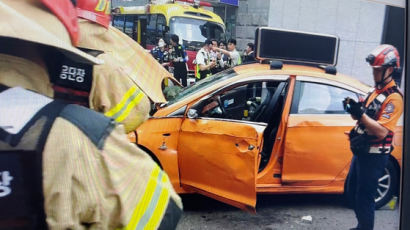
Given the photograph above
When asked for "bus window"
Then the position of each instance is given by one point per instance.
(129, 25)
(118, 22)
(152, 29)
(193, 32)
(161, 23)
(140, 34)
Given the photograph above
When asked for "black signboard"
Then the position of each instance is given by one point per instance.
(296, 46)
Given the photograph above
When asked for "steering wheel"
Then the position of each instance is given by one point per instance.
(218, 98)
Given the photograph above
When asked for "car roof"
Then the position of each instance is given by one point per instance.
(246, 71)
(300, 70)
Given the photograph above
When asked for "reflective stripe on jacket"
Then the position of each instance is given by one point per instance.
(113, 90)
(92, 181)
(201, 74)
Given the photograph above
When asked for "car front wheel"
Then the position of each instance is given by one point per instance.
(387, 186)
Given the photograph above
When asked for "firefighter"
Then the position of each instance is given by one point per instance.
(204, 64)
(371, 138)
(64, 166)
(109, 88)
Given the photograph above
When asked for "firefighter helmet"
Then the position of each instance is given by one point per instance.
(97, 11)
(52, 23)
(384, 56)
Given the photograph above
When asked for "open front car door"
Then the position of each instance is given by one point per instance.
(219, 158)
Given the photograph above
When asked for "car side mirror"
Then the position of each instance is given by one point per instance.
(192, 113)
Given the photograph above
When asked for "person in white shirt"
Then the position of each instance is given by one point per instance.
(217, 56)
(224, 59)
(203, 61)
(233, 54)
(213, 54)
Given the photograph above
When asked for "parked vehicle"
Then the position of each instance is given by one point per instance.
(186, 18)
(269, 127)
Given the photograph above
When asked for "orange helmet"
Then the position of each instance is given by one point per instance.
(97, 11)
(384, 56)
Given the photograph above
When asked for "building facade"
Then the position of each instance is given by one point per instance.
(361, 25)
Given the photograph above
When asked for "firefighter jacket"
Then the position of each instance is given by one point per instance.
(385, 106)
(117, 96)
(113, 91)
(391, 109)
(93, 178)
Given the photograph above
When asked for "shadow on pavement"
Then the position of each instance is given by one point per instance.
(196, 202)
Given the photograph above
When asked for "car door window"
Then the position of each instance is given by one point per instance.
(240, 102)
(315, 98)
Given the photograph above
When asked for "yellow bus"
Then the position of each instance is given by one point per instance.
(188, 19)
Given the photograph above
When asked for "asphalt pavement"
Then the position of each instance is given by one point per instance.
(279, 212)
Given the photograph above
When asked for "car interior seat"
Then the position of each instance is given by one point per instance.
(258, 113)
(273, 115)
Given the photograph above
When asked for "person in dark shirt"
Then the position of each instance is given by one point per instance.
(224, 58)
(249, 55)
(178, 60)
(161, 54)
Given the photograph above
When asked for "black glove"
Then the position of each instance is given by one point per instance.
(354, 108)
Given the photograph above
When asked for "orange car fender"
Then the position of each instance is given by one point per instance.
(160, 137)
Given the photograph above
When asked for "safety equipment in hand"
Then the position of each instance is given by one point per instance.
(354, 108)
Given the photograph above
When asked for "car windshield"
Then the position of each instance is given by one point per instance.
(194, 32)
(202, 84)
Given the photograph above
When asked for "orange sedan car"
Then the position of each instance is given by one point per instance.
(261, 128)
(252, 129)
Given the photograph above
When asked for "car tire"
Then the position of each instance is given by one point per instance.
(388, 186)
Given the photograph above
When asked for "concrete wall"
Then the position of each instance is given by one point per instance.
(251, 14)
(358, 24)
